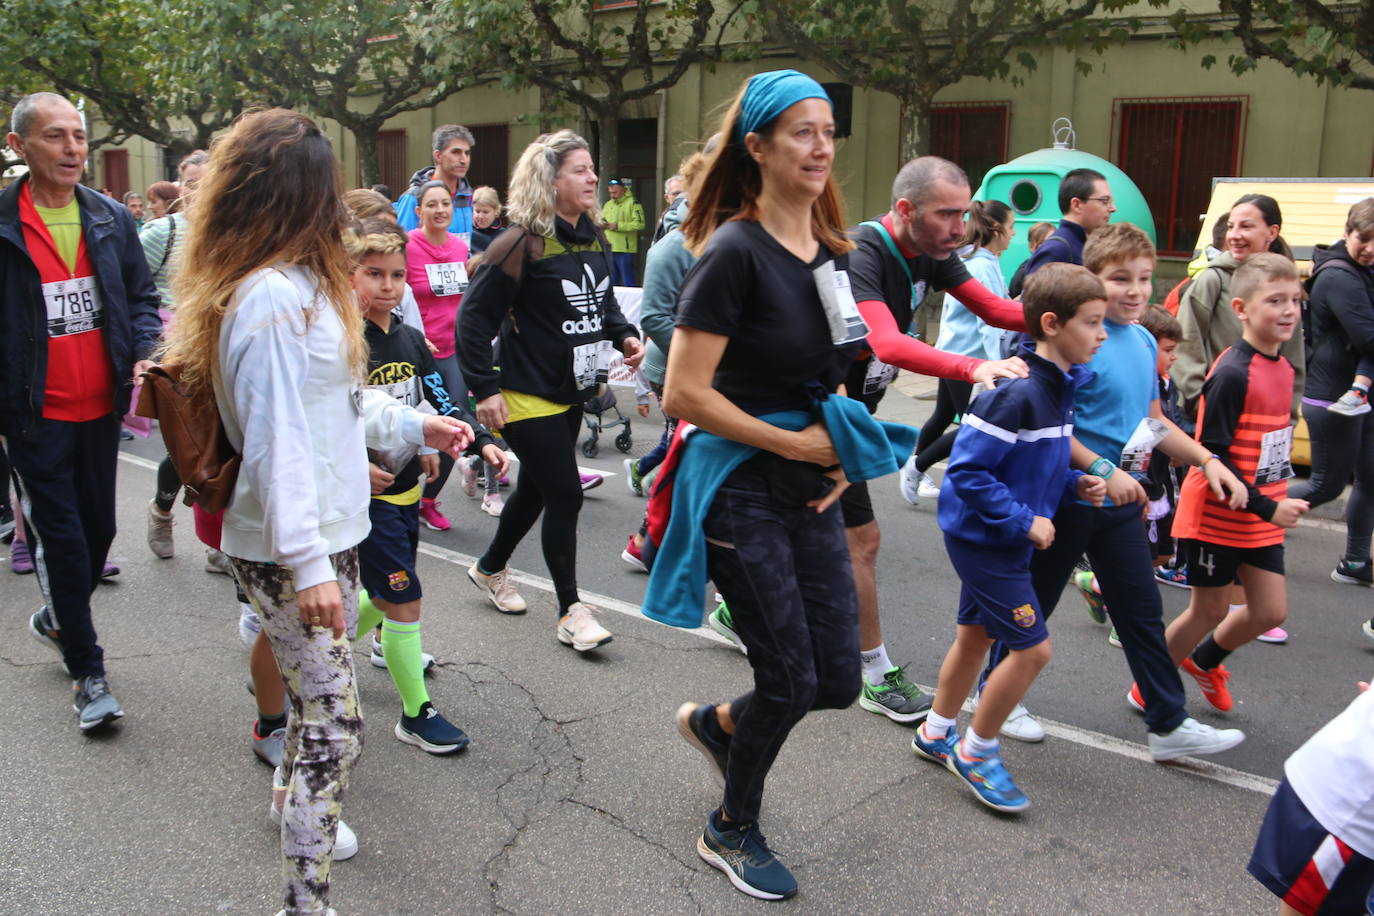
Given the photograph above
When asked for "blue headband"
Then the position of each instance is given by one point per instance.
(770, 94)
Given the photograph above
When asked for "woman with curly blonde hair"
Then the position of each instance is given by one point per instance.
(268, 325)
(545, 291)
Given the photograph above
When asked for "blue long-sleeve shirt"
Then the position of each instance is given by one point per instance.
(1010, 461)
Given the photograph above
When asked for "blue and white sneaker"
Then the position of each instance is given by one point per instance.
(431, 732)
(936, 750)
(989, 780)
(743, 854)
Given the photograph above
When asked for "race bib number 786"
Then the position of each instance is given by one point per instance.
(74, 306)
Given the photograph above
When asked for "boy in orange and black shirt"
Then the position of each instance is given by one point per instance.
(1244, 421)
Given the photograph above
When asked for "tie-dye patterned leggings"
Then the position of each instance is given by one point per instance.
(325, 733)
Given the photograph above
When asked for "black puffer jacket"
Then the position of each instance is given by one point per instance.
(1342, 318)
(132, 325)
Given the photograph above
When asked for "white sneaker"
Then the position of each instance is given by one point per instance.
(345, 840)
(908, 480)
(492, 504)
(249, 625)
(1020, 725)
(1193, 737)
(578, 628)
(216, 562)
(927, 488)
(378, 658)
(499, 590)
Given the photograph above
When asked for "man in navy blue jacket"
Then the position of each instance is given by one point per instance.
(78, 321)
(1085, 199)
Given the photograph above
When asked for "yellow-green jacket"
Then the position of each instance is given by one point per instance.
(628, 217)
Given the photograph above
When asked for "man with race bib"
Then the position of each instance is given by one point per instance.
(78, 319)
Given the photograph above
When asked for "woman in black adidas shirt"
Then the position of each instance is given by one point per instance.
(544, 291)
(753, 337)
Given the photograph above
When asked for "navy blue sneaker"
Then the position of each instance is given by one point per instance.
(743, 854)
(691, 725)
(936, 750)
(431, 732)
(989, 780)
(95, 706)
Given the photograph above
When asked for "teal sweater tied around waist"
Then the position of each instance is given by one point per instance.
(867, 449)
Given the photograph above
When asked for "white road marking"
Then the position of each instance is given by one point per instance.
(1096, 740)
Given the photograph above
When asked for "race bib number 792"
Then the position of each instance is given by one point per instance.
(74, 306)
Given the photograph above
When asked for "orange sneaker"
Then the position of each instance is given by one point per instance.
(1133, 696)
(1213, 683)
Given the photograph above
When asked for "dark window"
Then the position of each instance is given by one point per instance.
(1172, 149)
(490, 157)
(115, 171)
(972, 134)
(170, 158)
(842, 97)
(392, 169)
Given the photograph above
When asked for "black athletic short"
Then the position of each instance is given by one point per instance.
(856, 505)
(1215, 565)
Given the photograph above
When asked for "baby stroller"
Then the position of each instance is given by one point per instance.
(593, 414)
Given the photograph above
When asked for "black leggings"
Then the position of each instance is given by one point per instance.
(168, 485)
(548, 483)
(1342, 446)
(934, 444)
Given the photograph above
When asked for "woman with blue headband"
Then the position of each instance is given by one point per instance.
(761, 329)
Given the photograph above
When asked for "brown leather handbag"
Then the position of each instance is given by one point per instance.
(194, 435)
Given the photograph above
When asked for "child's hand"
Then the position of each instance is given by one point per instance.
(1041, 532)
(1289, 511)
(447, 434)
(1218, 476)
(429, 465)
(498, 459)
(429, 343)
(1092, 489)
(1123, 489)
(643, 409)
(379, 478)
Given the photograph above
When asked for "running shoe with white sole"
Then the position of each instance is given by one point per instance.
(743, 854)
(927, 488)
(1351, 404)
(467, 473)
(216, 561)
(691, 725)
(633, 479)
(719, 620)
(1193, 737)
(633, 555)
(1086, 583)
(590, 481)
(94, 704)
(378, 657)
(1212, 681)
(1172, 576)
(431, 732)
(909, 481)
(493, 504)
(896, 697)
(434, 519)
(270, 748)
(1349, 573)
(936, 750)
(1114, 639)
(988, 778)
(1135, 698)
(42, 628)
(499, 590)
(579, 628)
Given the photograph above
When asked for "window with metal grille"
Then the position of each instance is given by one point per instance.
(392, 168)
(115, 169)
(1172, 149)
(972, 134)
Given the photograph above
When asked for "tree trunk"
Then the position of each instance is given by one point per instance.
(608, 137)
(916, 111)
(365, 137)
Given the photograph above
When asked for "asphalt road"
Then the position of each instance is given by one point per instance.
(577, 796)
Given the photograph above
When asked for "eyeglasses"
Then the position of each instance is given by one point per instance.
(1104, 201)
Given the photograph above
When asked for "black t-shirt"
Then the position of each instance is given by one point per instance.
(747, 287)
(875, 274)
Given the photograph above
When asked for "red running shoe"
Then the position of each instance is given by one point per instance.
(1213, 683)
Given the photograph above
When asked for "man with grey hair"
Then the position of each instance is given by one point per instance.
(78, 320)
(897, 259)
(191, 167)
(674, 192)
(452, 145)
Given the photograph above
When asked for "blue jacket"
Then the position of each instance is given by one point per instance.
(132, 325)
(462, 205)
(1064, 245)
(1010, 461)
(664, 269)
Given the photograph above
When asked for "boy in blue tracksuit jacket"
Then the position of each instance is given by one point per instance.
(1008, 470)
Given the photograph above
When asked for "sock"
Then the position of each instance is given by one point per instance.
(973, 746)
(493, 480)
(711, 725)
(368, 615)
(937, 726)
(1361, 387)
(1208, 654)
(401, 646)
(268, 724)
(718, 821)
(876, 664)
(482, 567)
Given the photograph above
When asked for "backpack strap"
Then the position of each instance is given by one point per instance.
(896, 253)
(171, 240)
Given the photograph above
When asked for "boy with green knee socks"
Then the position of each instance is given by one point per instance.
(400, 364)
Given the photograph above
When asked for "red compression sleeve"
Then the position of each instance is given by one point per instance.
(893, 347)
(996, 311)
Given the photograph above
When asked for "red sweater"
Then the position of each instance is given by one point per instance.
(80, 376)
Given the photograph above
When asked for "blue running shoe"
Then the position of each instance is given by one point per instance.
(431, 732)
(936, 750)
(743, 854)
(989, 780)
